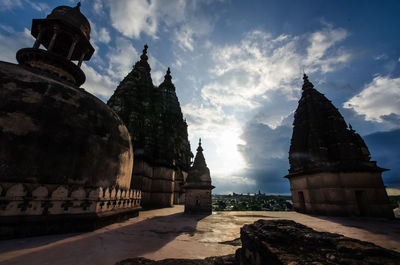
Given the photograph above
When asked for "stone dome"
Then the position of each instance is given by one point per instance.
(55, 133)
(73, 16)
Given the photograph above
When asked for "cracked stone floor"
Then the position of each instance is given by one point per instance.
(169, 233)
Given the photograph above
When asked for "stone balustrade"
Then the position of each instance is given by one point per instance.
(19, 199)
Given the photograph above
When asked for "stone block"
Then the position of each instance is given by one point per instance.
(17, 190)
(107, 194)
(40, 192)
(78, 194)
(287, 242)
(60, 192)
(96, 193)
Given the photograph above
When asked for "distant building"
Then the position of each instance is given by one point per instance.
(330, 169)
(159, 134)
(65, 157)
(198, 186)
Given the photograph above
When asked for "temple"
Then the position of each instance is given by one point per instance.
(159, 134)
(330, 169)
(198, 186)
(66, 158)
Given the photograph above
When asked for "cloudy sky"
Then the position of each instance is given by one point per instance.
(237, 66)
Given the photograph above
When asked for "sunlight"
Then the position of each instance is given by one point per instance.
(230, 160)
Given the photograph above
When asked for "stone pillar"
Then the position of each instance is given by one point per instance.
(81, 59)
(56, 29)
(75, 40)
(39, 38)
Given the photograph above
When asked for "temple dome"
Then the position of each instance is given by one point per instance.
(55, 133)
(73, 16)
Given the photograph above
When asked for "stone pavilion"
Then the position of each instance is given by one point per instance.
(198, 186)
(330, 169)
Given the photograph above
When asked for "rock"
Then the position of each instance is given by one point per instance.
(287, 242)
(223, 260)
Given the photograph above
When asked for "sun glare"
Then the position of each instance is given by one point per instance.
(230, 159)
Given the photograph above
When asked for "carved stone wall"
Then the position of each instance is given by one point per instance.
(23, 204)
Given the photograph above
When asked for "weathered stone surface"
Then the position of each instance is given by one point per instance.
(288, 242)
(54, 133)
(224, 260)
(60, 146)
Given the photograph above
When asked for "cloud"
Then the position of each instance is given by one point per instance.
(266, 154)
(379, 100)
(245, 73)
(39, 6)
(104, 35)
(9, 45)
(184, 37)
(132, 17)
(220, 132)
(10, 4)
(98, 7)
(100, 85)
(7, 28)
(249, 99)
(382, 148)
(121, 58)
(320, 44)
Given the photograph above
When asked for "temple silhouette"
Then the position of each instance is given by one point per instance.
(159, 134)
(330, 169)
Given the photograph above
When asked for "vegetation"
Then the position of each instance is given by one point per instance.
(251, 202)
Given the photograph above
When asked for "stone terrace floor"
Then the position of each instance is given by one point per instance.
(169, 233)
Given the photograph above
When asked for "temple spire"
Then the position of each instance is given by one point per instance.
(144, 53)
(307, 84)
(199, 149)
(199, 161)
(167, 76)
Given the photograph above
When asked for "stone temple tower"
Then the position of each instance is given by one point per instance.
(330, 169)
(159, 134)
(198, 185)
(65, 157)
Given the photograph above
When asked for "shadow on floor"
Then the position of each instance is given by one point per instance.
(383, 226)
(104, 246)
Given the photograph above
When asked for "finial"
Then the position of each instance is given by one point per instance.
(167, 76)
(78, 5)
(307, 84)
(351, 128)
(199, 149)
(144, 53)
